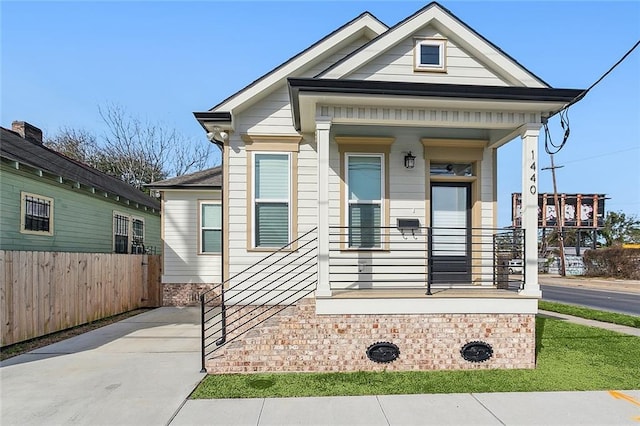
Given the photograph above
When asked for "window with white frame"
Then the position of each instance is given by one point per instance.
(36, 214)
(365, 194)
(210, 227)
(128, 234)
(120, 233)
(271, 199)
(429, 54)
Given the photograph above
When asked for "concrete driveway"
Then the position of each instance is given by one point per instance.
(135, 372)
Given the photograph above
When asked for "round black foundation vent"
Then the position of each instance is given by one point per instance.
(383, 352)
(476, 351)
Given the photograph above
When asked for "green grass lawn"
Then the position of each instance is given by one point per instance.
(593, 314)
(570, 357)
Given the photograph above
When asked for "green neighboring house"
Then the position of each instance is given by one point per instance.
(49, 202)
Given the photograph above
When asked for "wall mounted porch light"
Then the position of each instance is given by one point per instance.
(409, 161)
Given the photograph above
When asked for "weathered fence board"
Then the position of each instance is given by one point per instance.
(44, 292)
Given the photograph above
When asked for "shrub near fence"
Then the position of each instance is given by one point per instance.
(45, 292)
(614, 262)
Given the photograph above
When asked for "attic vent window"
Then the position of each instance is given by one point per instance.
(429, 54)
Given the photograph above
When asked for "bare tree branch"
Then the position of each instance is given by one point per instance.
(134, 150)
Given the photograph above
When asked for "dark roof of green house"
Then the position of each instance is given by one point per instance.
(33, 154)
(204, 179)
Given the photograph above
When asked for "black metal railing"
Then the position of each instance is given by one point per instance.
(260, 291)
(378, 257)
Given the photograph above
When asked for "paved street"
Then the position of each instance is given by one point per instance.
(621, 296)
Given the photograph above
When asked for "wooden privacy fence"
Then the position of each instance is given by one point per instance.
(44, 292)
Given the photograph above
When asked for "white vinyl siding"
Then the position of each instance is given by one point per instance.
(210, 227)
(271, 204)
(272, 114)
(182, 260)
(398, 64)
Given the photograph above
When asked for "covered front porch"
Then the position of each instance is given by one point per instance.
(385, 224)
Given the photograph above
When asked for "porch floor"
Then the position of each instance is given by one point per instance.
(420, 293)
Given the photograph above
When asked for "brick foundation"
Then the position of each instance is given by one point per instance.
(297, 339)
(183, 294)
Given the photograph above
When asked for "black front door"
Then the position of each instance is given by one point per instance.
(450, 242)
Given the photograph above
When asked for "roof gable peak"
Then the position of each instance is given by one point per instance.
(365, 24)
(452, 27)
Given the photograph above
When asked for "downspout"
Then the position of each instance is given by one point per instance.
(214, 137)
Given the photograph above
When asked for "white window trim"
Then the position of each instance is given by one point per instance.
(129, 229)
(380, 202)
(442, 46)
(202, 228)
(23, 200)
(254, 200)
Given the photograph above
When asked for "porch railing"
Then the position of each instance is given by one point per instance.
(257, 293)
(379, 257)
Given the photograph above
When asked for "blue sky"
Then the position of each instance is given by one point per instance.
(164, 60)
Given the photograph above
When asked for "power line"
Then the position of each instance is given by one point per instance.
(584, 93)
(602, 155)
(550, 147)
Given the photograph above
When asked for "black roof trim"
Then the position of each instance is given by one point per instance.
(202, 179)
(223, 117)
(254, 82)
(432, 4)
(392, 88)
(212, 117)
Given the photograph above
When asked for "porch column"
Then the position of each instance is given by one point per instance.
(529, 136)
(323, 127)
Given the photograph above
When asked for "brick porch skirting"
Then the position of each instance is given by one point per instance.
(297, 339)
(183, 294)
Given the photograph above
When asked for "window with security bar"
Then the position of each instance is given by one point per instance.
(138, 231)
(121, 233)
(37, 214)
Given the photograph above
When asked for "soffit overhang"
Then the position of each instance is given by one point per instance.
(307, 95)
(208, 120)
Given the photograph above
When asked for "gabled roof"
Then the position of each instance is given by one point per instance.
(363, 25)
(35, 155)
(204, 179)
(445, 21)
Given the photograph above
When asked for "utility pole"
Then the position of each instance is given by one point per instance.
(559, 215)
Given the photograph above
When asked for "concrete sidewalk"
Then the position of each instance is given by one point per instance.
(535, 408)
(140, 371)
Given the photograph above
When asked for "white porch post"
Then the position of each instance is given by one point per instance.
(323, 128)
(529, 136)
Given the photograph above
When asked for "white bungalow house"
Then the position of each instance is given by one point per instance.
(360, 205)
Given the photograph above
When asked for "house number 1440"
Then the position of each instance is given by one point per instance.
(533, 188)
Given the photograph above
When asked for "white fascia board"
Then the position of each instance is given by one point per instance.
(309, 102)
(495, 60)
(470, 305)
(367, 26)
